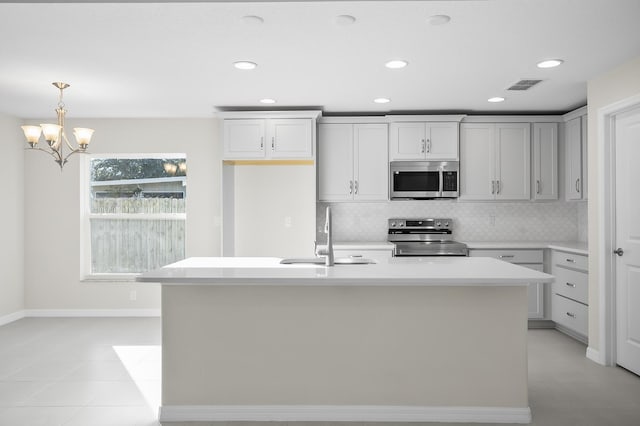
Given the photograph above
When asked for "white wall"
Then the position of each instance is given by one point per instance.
(52, 210)
(12, 224)
(613, 86)
(275, 210)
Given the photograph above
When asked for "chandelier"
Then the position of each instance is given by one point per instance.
(55, 135)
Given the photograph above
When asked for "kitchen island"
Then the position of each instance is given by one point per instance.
(249, 339)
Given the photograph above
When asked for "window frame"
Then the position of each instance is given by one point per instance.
(86, 215)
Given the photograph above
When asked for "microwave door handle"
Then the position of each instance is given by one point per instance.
(441, 176)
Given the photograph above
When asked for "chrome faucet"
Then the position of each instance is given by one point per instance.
(327, 250)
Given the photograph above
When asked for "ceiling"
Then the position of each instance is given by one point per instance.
(175, 59)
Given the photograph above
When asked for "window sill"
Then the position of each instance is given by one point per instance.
(126, 278)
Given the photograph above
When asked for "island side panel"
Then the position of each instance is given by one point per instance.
(341, 345)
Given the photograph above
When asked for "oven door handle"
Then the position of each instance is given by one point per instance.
(441, 177)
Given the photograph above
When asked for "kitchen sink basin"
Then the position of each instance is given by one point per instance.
(353, 260)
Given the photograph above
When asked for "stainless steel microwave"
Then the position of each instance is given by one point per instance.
(424, 179)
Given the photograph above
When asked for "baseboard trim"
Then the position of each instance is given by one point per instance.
(594, 355)
(342, 413)
(535, 324)
(15, 316)
(92, 313)
(579, 337)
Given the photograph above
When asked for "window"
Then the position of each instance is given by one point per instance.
(134, 213)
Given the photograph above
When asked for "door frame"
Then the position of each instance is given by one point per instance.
(606, 354)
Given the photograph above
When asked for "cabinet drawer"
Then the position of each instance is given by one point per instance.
(576, 261)
(376, 254)
(511, 255)
(572, 284)
(570, 314)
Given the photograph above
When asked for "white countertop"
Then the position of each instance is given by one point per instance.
(437, 271)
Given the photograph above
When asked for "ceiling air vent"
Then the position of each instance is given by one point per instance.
(524, 84)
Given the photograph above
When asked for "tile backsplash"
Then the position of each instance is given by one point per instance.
(525, 221)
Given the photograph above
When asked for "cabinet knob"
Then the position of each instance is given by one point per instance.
(618, 251)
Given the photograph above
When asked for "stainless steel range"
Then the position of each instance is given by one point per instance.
(424, 237)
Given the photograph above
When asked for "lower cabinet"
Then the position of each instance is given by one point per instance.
(529, 258)
(569, 301)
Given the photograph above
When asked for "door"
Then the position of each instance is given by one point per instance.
(244, 138)
(442, 141)
(513, 161)
(545, 161)
(371, 166)
(407, 141)
(477, 161)
(335, 162)
(573, 137)
(290, 138)
(627, 175)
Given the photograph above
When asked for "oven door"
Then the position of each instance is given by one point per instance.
(415, 180)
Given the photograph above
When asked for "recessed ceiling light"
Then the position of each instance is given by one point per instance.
(344, 20)
(550, 63)
(267, 101)
(245, 65)
(496, 99)
(382, 100)
(396, 63)
(252, 20)
(439, 19)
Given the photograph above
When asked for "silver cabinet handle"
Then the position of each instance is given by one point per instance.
(423, 146)
(578, 185)
(273, 143)
(571, 285)
(261, 143)
(570, 260)
(506, 256)
(350, 187)
(493, 186)
(571, 314)
(537, 186)
(498, 187)
(356, 187)
(428, 145)
(619, 251)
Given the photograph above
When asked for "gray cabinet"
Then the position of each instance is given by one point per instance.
(569, 301)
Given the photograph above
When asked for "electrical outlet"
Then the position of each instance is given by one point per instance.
(133, 295)
(287, 221)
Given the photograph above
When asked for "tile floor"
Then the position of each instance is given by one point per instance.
(106, 371)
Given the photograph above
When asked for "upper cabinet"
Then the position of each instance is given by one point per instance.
(495, 161)
(545, 161)
(352, 162)
(576, 157)
(423, 141)
(249, 135)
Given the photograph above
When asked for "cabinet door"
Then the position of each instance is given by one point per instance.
(477, 161)
(371, 165)
(244, 138)
(407, 141)
(545, 161)
(573, 141)
(335, 162)
(290, 138)
(585, 155)
(442, 141)
(535, 293)
(513, 161)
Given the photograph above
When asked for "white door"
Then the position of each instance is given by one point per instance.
(335, 162)
(290, 138)
(244, 138)
(477, 161)
(442, 141)
(407, 141)
(627, 146)
(513, 161)
(371, 166)
(545, 161)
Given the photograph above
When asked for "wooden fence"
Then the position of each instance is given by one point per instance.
(124, 243)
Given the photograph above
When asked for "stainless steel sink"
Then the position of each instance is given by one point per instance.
(353, 260)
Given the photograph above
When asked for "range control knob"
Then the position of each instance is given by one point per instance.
(393, 224)
(446, 224)
(438, 224)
